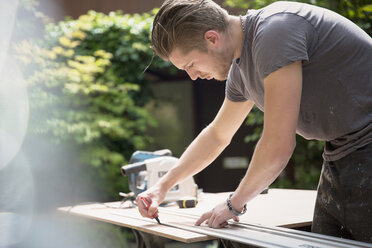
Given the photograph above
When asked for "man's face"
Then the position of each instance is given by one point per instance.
(205, 65)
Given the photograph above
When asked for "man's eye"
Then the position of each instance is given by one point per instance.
(190, 66)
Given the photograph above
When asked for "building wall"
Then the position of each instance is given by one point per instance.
(58, 9)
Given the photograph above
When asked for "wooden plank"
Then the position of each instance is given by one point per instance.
(130, 218)
(280, 207)
(285, 208)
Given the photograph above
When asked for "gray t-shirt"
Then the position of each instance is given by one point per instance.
(336, 55)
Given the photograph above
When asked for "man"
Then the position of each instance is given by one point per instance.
(309, 70)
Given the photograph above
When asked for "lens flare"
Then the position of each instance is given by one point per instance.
(16, 201)
(14, 111)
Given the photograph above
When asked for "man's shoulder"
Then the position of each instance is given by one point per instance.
(285, 7)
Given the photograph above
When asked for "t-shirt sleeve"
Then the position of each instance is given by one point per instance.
(234, 84)
(281, 39)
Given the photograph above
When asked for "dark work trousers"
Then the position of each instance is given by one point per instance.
(344, 202)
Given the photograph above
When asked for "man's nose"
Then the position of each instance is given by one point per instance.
(193, 74)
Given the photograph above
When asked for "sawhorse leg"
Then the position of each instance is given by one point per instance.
(146, 240)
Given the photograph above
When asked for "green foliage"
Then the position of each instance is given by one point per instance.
(247, 4)
(358, 11)
(88, 89)
(306, 156)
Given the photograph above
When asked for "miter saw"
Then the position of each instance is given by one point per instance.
(146, 168)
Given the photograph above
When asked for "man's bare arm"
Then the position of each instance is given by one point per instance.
(201, 152)
(282, 101)
(210, 142)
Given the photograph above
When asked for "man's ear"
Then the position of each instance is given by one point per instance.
(212, 37)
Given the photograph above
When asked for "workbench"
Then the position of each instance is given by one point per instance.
(277, 208)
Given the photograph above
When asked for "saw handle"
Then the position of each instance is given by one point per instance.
(133, 168)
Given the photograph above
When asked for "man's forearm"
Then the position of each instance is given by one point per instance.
(269, 159)
(201, 152)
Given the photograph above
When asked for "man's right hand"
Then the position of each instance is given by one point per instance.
(154, 196)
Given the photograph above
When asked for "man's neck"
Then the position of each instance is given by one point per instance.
(236, 35)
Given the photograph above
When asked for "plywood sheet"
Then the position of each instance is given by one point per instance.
(130, 218)
(285, 208)
(280, 207)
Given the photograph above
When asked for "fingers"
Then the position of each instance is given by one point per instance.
(212, 220)
(217, 223)
(147, 207)
(141, 207)
(236, 218)
(223, 224)
(203, 218)
(153, 209)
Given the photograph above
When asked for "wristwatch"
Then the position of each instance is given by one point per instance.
(236, 213)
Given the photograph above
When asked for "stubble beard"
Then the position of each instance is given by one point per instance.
(224, 60)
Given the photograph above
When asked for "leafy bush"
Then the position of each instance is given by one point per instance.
(360, 12)
(306, 157)
(87, 88)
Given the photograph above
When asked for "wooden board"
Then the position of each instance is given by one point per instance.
(280, 207)
(131, 218)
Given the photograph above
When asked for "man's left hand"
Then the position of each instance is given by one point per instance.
(217, 217)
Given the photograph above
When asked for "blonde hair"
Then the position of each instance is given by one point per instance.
(182, 24)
